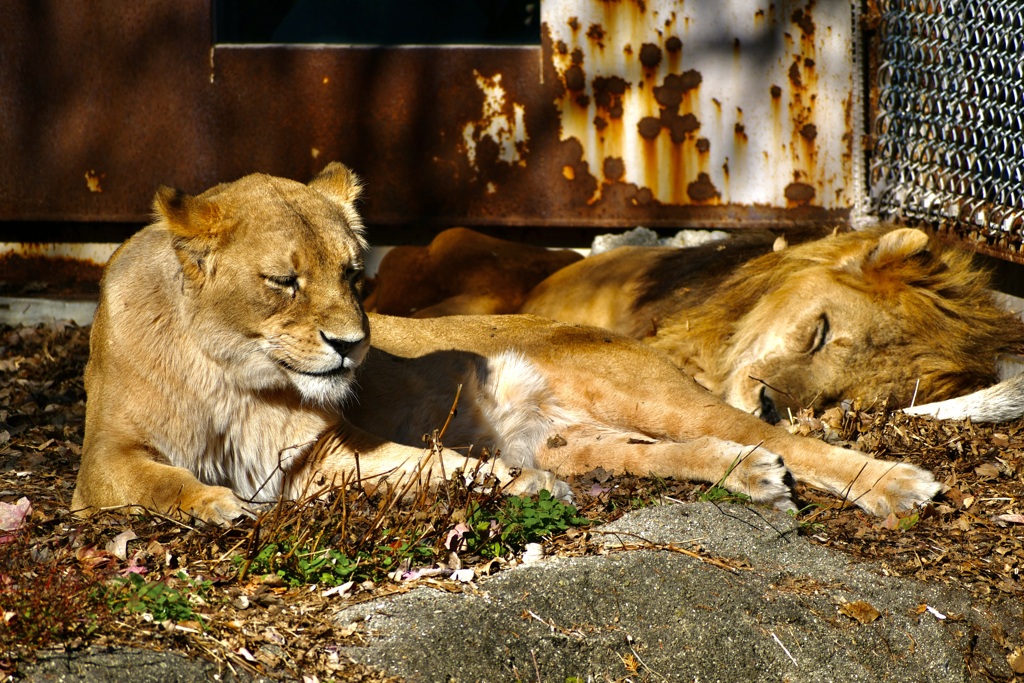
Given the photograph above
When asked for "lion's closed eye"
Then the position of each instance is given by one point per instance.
(354, 277)
(819, 335)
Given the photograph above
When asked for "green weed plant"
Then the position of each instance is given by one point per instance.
(518, 521)
(165, 600)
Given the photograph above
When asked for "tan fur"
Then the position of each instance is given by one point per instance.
(878, 315)
(230, 363)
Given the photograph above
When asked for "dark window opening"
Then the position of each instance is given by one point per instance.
(378, 22)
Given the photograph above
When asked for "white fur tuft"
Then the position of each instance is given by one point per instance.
(515, 400)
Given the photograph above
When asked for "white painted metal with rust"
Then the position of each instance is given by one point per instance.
(774, 103)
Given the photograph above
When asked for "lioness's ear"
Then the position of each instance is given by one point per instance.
(338, 183)
(187, 216)
(195, 224)
(898, 245)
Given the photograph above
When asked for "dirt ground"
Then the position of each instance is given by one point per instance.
(971, 537)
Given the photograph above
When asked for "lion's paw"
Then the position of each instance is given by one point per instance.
(215, 505)
(896, 487)
(763, 476)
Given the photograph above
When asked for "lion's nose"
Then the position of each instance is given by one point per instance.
(769, 413)
(342, 346)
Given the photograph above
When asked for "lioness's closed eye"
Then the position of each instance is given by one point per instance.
(231, 362)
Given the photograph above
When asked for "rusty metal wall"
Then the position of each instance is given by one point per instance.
(630, 112)
(100, 102)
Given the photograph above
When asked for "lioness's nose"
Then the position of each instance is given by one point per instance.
(341, 345)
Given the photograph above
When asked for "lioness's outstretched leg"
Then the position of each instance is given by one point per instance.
(751, 470)
(878, 486)
(581, 376)
(347, 452)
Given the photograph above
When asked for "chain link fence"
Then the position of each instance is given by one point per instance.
(950, 126)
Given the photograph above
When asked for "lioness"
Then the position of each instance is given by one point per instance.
(231, 363)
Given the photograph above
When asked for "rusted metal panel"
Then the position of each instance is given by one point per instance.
(738, 102)
(439, 134)
(103, 101)
(99, 103)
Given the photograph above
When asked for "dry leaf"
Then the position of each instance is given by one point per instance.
(999, 635)
(119, 546)
(92, 557)
(921, 609)
(455, 540)
(343, 589)
(135, 566)
(833, 416)
(860, 610)
(1016, 661)
(463, 575)
(532, 552)
(349, 630)
(987, 471)
(1009, 519)
(13, 516)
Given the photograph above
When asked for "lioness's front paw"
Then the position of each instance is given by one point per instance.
(531, 481)
(895, 487)
(216, 505)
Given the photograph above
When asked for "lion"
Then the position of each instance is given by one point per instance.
(705, 306)
(231, 365)
(885, 316)
(462, 271)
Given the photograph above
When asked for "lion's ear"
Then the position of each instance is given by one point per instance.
(898, 245)
(196, 226)
(338, 183)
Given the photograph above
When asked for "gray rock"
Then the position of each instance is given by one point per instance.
(673, 617)
(120, 665)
